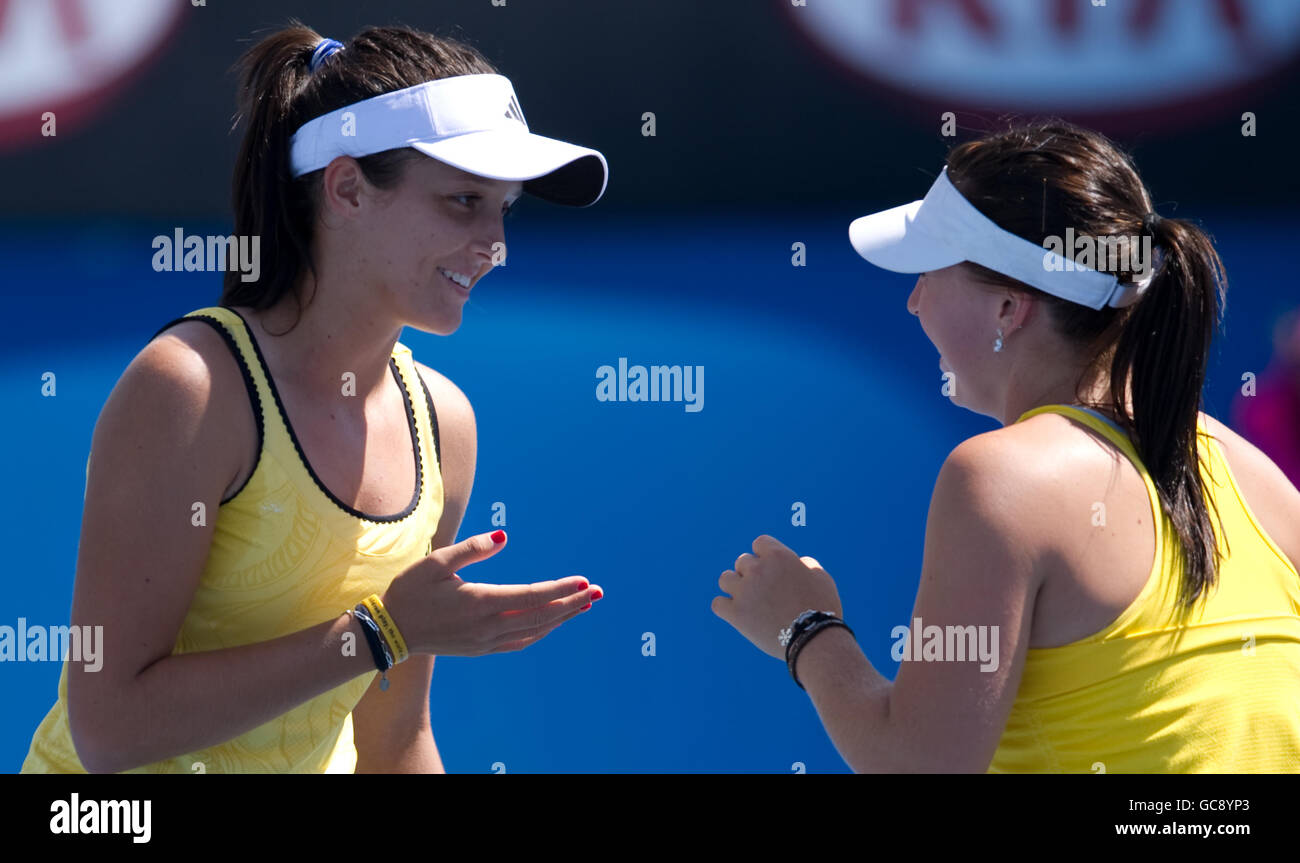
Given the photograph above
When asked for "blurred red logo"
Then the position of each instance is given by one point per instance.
(68, 57)
(1118, 61)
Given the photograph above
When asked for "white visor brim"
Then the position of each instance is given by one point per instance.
(472, 122)
(893, 239)
(554, 170)
(944, 229)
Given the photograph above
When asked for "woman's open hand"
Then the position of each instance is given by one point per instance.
(437, 612)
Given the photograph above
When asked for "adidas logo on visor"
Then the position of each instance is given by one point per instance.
(514, 112)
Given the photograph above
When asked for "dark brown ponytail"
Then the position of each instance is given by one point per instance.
(1038, 179)
(278, 92)
(1165, 344)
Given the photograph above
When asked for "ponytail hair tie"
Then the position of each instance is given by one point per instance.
(324, 48)
(1151, 221)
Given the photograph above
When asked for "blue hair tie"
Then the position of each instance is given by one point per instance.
(324, 48)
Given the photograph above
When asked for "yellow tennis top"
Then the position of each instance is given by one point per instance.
(1216, 690)
(286, 555)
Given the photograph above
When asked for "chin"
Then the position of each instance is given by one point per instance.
(440, 325)
(962, 400)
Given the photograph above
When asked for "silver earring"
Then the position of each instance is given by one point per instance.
(997, 345)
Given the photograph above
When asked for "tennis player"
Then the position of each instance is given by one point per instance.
(275, 485)
(1131, 559)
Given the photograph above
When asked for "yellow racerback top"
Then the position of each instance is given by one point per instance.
(1213, 691)
(286, 555)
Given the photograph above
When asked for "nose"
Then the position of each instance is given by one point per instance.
(914, 299)
(485, 245)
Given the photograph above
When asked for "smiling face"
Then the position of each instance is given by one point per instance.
(424, 245)
(961, 317)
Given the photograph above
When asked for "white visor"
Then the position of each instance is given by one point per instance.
(471, 122)
(944, 229)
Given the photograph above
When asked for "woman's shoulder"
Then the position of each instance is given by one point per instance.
(191, 366)
(456, 427)
(1024, 452)
(1048, 458)
(176, 397)
(1007, 478)
(191, 357)
(1018, 479)
(448, 399)
(1273, 500)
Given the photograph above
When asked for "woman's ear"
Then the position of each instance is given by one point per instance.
(341, 187)
(1017, 310)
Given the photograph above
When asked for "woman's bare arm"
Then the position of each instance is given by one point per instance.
(163, 444)
(392, 728)
(978, 571)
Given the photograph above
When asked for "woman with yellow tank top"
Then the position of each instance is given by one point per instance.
(1109, 581)
(272, 502)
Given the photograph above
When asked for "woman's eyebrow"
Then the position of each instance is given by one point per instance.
(485, 183)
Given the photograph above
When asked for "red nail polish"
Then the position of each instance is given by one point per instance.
(585, 607)
(583, 586)
(597, 595)
(499, 536)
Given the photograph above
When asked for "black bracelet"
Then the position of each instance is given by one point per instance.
(378, 648)
(805, 634)
(801, 623)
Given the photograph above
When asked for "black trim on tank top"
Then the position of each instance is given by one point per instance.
(302, 456)
(254, 399)
(433, 420)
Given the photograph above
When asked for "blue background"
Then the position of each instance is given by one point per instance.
(819, 387)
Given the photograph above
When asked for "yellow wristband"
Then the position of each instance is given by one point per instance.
(387, 628)
(392, 637)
